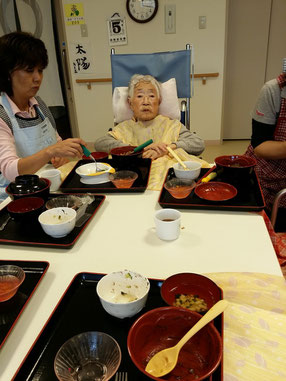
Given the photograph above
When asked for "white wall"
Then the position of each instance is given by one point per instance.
(93, 107)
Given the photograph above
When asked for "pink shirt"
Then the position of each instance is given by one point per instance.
(8, 154)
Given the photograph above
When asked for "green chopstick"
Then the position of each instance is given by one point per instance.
(139, 148)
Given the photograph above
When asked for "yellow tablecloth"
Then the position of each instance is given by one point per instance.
(254, 326)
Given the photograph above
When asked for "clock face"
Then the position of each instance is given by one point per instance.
(142, 10)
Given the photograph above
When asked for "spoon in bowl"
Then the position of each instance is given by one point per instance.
(88, 154)
(165, 361)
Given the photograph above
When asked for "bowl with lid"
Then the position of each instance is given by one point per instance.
(29, 186)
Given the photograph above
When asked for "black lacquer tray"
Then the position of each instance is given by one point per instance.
(249, 196)
(141, 166)
(32, 234)
(78, 311)
(11, 310)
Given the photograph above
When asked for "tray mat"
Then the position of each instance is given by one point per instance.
(32, 234)
(249, 196)
(11, 310)
(80, 311)
(141, 166)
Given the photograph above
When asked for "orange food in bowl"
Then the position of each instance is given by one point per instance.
(11, 277)
(179, 188)
(123, 179)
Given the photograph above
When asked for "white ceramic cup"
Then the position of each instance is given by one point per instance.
(168, 224)
(54, 175)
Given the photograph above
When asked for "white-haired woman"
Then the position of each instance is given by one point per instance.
(144, 97)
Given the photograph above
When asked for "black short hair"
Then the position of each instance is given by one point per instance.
(20, 50)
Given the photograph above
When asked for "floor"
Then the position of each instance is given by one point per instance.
(228, 147)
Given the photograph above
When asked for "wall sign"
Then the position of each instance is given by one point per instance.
(117, 34)
(81, 58)
(74, 14)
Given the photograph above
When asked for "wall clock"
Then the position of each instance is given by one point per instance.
(142, 10)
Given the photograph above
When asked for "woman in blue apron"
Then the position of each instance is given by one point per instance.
(28, 135)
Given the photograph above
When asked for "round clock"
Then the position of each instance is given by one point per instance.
(142, 10)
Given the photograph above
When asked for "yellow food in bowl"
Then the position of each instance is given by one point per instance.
(191, 302)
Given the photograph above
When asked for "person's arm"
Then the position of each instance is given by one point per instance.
(189, 141)
(11, 165)
(271, 150)
(65, 148)
(107, 142)
(263, 143)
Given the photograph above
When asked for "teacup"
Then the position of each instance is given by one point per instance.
(168, 224)
(54, 175)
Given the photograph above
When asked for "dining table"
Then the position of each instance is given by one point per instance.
(121, 235)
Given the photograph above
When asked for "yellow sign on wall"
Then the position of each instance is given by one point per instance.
(74, 14)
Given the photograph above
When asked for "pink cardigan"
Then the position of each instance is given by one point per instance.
(8, 155)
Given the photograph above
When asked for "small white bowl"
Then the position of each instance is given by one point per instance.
(58, 222)
(192, 173)
(123, 293)
(88, 174)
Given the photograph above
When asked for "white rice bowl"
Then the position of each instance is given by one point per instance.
(123, 293)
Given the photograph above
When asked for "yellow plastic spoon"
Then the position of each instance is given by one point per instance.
(165, 361)
(177, 157)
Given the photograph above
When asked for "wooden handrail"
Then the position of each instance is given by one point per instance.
(88, 81)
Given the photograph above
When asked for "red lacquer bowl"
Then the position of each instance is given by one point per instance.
(26, 208)
(215, 191)
(98, 156)
(162, 328)
(190, 284)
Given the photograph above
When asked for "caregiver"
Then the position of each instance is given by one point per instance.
(28, 135)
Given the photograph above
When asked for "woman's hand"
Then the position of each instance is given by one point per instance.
(160, 148)
(155, 150)
(66, 148)
(59, 161)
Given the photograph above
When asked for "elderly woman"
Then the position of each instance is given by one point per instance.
(144, 97)
(28, 135)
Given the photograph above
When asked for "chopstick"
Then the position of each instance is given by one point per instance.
(177, 157)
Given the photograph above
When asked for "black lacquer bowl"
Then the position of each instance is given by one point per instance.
(29, 186)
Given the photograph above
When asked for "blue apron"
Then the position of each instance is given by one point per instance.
(28, 140)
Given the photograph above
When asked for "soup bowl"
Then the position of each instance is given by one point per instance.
(235, 166)
(163, 327)
(124, 157)
(26, 208)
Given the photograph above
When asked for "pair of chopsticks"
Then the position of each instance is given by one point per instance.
(177, 157)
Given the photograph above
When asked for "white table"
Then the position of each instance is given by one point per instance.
(122, 236)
